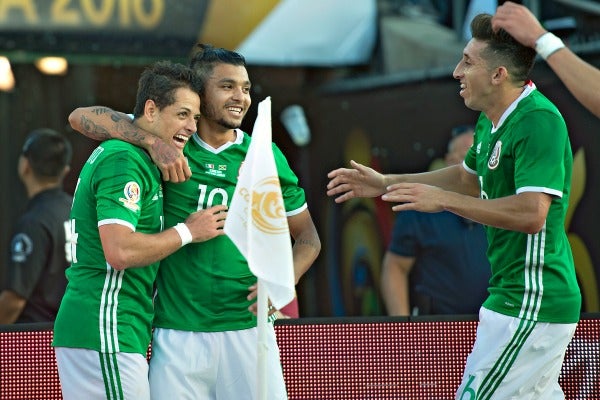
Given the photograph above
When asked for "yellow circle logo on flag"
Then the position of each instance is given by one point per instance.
(268, 212)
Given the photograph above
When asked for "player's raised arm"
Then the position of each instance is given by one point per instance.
(358, 181)
(102, 123)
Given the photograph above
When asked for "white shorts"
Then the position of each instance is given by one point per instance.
(514, 358)
(212, 365)
(88, 374)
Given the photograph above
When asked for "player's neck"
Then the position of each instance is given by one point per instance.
(217, 138)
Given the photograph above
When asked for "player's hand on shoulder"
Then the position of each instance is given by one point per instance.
(170, 161)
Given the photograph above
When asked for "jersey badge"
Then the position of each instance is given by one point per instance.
(132, 196)
(216, 170)
(21, 246)
(494, 159)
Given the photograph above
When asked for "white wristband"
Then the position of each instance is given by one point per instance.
(184, 233)
(547, 44)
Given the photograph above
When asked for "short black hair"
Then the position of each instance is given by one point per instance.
(159, 82)
(503, 49)
(48, 152)
(206, 57)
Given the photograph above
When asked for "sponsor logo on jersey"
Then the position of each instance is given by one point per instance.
(478, 148)
(494, 159)
(218, 170)
(21, 247)
(131, 192)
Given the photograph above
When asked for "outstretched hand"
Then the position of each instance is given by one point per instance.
(415, 196)
(170, 161)
(358, 181)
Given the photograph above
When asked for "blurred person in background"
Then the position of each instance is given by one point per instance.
(38, 254)
(436, 263)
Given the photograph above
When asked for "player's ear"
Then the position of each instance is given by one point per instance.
(150, 109)
(499, 75)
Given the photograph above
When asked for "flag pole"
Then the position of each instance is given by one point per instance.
(262, 346)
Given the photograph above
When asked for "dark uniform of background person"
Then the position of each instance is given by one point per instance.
(38, 255)
(437, 263)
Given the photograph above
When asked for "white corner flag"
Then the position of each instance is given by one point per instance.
(256, 220)
(257, 224)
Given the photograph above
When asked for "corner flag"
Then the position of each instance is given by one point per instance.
(256, 220)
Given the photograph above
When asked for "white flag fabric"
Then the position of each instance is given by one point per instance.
(256, 220)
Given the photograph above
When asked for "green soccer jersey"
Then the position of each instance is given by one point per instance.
(104, 309)
(533, 275)
(203, 286)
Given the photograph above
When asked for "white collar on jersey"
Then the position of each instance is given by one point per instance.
(238, 140)
(527, 89)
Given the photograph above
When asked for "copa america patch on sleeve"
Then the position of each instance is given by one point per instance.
(131, 193)
(21, 246)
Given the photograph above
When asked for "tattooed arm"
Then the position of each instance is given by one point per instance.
(102, 123)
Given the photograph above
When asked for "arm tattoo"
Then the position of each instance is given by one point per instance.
(164, 153)
(102, 110)
(93, 131)
(305, 242)
(122, 128)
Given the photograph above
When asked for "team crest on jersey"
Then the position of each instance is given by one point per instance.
(21, 246)
(132, 196)
(494, 159)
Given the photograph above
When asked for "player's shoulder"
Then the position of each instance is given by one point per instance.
(114, 149)
(117, 145)
(537, 105)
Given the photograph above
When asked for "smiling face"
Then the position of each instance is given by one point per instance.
(176, 122)
(226, 97)
(475, 77)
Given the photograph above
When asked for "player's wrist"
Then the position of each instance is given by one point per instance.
(184, 233)
(150, 142)
(385, 182)
(548, 44)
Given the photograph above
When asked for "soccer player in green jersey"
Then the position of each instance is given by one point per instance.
(205, 338)
(103, 327)
(516, 180)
